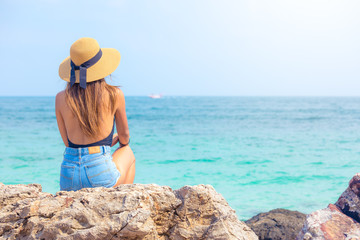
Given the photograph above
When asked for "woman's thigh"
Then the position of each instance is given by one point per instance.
(123, 159)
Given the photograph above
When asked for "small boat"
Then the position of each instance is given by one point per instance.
(155, 96)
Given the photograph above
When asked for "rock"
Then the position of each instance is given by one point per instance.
(349, 201)
(339, 221)
(277, 224)
(330, 224)
(130, 211)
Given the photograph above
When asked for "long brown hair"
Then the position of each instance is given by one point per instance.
(89, 104)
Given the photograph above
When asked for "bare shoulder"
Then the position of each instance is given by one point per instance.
(120, 97)
(60, 98)
(119, 93)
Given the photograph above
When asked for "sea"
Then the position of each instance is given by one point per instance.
(259, 153)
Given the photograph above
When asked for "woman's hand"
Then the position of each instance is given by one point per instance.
(115, 139)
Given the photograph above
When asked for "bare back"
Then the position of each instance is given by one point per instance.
(69, 125)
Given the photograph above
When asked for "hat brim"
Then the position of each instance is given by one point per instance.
(107, 64)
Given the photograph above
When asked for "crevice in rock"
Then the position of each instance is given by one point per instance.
(119, 231)
(349, 213)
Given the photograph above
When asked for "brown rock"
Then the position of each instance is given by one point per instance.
(130, 211)
(339, 221)
(329, 224)
(277, 224)
(349, 201)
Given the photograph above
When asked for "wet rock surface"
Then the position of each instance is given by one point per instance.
(130, 211)
(277, 224)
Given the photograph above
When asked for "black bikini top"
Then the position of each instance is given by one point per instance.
(106, 141)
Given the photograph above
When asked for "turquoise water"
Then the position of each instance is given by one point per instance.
(260, 153)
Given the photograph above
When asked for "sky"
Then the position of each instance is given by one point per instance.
(188, 47)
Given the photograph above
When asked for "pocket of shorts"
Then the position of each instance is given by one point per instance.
(66, 177)
(99, 174)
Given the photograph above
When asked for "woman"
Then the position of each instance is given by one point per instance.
(85, 113)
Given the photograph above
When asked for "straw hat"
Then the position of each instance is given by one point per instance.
(88, 62)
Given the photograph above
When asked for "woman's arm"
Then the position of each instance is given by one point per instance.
(115, 139)
(59, 100)
(121, 120)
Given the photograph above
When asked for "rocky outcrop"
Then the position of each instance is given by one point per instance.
(130, 211)
(336, 222)
(277, 224)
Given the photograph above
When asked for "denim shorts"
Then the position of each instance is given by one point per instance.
(81, 169)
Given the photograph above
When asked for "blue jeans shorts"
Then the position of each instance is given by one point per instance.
(88, 168)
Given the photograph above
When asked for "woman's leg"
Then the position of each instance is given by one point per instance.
(124, 160)
(131, 174)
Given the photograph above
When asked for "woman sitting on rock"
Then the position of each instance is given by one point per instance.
(86, 111)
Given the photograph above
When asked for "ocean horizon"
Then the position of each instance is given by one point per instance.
(259, 152)
(225, 96)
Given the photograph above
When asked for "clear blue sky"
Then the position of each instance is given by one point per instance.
(189, 47)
